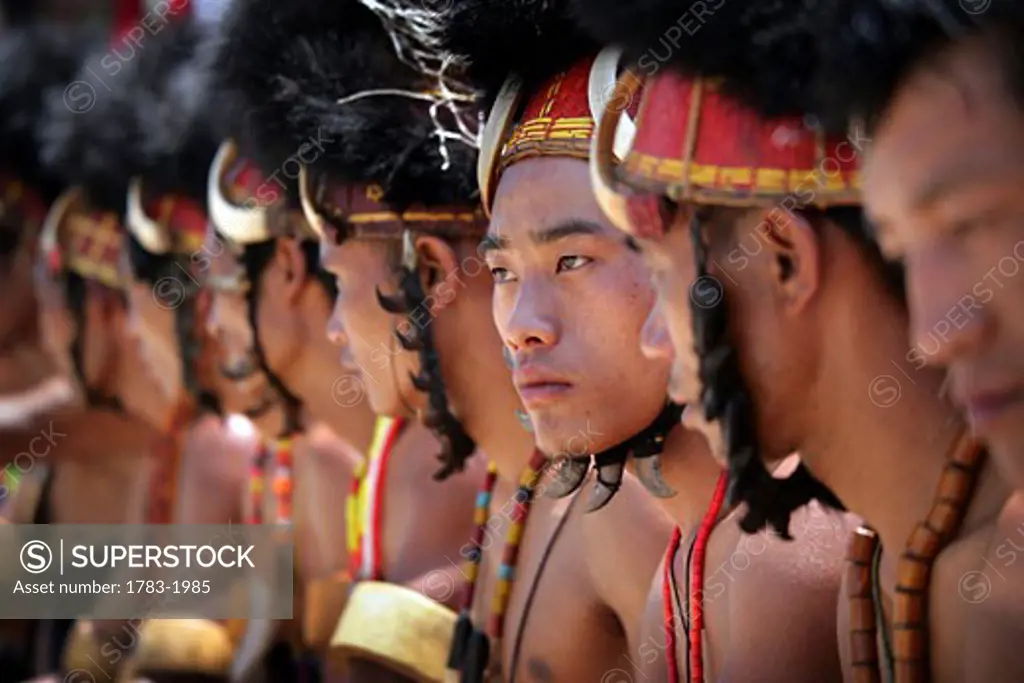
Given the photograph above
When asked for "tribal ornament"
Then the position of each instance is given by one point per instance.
(645, 448)
(456, 445)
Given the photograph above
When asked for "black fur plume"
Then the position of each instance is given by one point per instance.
(37, 62)
(282, 66)
(766, 50)
(535, 38)
(137, 110)
(872, 45)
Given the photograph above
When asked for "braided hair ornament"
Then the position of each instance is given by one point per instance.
(402, 142)
(456, 444)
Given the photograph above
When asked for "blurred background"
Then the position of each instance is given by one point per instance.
(18, 11)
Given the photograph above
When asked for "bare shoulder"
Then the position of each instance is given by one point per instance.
(632, 523)
(817, 552)
(624, 544)
(990, 585)
(417, 443)
(794, 584)
(325, 451)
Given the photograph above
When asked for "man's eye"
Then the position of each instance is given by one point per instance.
(500, 274)
(572, 263)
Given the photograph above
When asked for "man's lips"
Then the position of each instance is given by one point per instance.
(537, 386)
(984, 406)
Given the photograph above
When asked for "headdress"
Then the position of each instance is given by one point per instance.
(871, 47)
(249, 212)
(546, 82)
(724, 125)
(358, 95)
(36, 63)
(163, 90)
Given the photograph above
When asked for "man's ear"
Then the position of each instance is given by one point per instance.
(439, 265)
(291, 259)
(796, 253)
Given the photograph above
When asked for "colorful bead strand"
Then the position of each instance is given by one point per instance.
(696, 598)
(510, 556)
(283, 484)
(257, 482)
(471, 570)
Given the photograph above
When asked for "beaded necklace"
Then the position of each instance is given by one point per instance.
(471, 569)
(283, 485)
(909, 660)
(364, 507)
(695, 594)
(474, 652)
(257, 480)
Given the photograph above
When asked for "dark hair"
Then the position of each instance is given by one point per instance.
(872, 46)
(281, 68)
(764, 55)
(535, 39)
(255, 258)
(37, 62)
(725, 398)
(152, 119)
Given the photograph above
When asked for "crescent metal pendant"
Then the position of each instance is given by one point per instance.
(610, 466)
(648, 448)
(568, 475)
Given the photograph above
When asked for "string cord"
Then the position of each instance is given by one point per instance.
(517, 640)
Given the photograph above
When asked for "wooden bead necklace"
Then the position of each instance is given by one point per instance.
(909, 661)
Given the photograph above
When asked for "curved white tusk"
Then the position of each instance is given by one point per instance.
(497, 129)
(49, 238)
(240, 224)
(313, 218)
(601, 91)
(148, 232)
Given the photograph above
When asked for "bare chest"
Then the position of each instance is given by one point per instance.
(85, 493)
(555, 628)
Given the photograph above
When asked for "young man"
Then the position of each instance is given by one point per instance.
(264, 269)
(941, 68)
(120, 181)
(78, 463)
(938, 86)
(782, 319)
(394, 192)
(561, 271)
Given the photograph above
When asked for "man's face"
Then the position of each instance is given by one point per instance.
(246, 389)
(363, 331)
(943, 186)
(151, 310)
(773, 316)
(571, 296)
